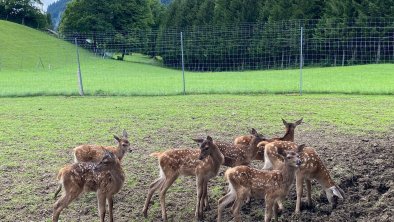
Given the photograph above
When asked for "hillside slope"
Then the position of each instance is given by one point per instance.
(26, 48)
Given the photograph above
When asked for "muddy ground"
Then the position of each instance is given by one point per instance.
(363, 166)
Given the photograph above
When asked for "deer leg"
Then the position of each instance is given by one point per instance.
(269, 203)
(280, 205)
(206, 200)
(242, 194)
(299, 188)
(168, 182)
(110, 201)
(63, 202)
(308, 188)
(223, 202)
(275, 211)
(101, 198)
(152, 189)
(200, 198)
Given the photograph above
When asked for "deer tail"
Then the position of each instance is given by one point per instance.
(60, 181)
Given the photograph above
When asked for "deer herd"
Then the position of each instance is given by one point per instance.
(98, 169)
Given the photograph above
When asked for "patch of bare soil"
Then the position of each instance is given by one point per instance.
(363, 166)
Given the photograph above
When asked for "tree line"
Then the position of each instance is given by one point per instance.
(234, 34)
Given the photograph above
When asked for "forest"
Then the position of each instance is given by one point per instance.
(234, 34)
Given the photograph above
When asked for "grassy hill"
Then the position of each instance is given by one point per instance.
(34, 63)
(24, 48)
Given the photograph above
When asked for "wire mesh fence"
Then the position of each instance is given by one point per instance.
(247, 58)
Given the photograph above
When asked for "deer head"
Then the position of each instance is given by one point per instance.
(292, 126)
(109, 159)
(292, 157)
(123, 143)
(205, 147)
(256, 137)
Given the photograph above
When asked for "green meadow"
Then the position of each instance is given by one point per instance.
(34, 63)
(38, 133)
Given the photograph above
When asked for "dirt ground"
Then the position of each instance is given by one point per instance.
(362, 166)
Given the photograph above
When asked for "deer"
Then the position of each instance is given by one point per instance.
(312, 168)
(289, 136)
(203, 163)
(106, 178)
(94, 153)
(240, 154)
(246, 182)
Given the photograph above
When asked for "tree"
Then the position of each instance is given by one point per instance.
(25, 12)
(56, 10)
(106, 16)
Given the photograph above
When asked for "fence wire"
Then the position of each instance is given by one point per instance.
(223, 51)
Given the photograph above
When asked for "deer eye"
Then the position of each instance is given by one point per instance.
(289, 157)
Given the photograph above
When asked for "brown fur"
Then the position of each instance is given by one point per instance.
(203, 163)
(94, 153)
(105, 178)
(312, 168)
(289, 136)
(240, 154)
(246, 182)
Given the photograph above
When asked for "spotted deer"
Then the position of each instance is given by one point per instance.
(240, 154)
(289, 134)
(203, 163)
(246, 182)
(312, 168)
(105, 178)
(94, 153)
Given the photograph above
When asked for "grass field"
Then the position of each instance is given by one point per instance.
(33, 63)
(38, 133)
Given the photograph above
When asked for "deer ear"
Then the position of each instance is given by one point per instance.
(282, 153)
(253, 131)
(199, 141)
(106, 153)
(209, 138)
(112, 155)
(116, 138)
(284, 121)
(125, 135)
(300, 148)
(299, 121)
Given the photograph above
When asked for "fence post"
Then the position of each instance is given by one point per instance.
(79, 71)
(183, 66)
(301, 60)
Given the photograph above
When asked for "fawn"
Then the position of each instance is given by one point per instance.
(240, 154)
(289, 134)
(203, 164)
(312, 168)
(105, 178)
(246, 182)
(94, 153)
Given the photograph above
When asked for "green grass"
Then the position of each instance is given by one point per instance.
(21, 73)
(38, 133)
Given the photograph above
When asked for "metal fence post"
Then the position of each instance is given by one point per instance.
(301, 61)
(183, 66)
(79, 71)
